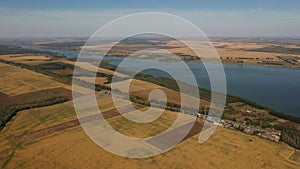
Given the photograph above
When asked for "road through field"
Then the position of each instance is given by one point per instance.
(33, 135)
(161, 141)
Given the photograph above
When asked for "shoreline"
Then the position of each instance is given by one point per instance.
(224, 61)
(267, 66)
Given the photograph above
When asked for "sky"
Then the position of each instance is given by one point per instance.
(61, 18)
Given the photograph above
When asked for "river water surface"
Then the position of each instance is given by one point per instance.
(275, 87)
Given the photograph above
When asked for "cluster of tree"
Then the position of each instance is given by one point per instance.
(57, 77)
(162, 81)
(146, 40)
(284, 116)
(232, 99)
(88, 85)
(291, 136)
(55, 65)
(264, 122)
(277, 49)
(5, 50)
(174, 85)
(204, 93)
(240, 128)
(46, 68)
(7, 113)
(139, 100)
(230, 110)
(64, 45)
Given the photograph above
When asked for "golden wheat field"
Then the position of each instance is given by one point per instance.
(143, 89)
(15, 80)
(51, 137)
(71, 148)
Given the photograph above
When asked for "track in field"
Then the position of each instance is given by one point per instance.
(33, 135)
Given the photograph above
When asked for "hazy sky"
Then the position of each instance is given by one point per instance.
(215, 18)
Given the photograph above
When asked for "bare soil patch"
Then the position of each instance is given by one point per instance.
(163, 141)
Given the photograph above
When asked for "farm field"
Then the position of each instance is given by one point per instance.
(112, 85)
(96, 80)
(71, 148)
(7, 100)
(250, 53)
(230, 52)
(90, 67)
(29, 137)
(15, 80)
(26, 59)
(142, 89)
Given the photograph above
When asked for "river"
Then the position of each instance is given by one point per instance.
(275, 87)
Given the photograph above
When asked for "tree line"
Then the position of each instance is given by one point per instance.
(8, 112)
(9, 49)
(290, 136)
